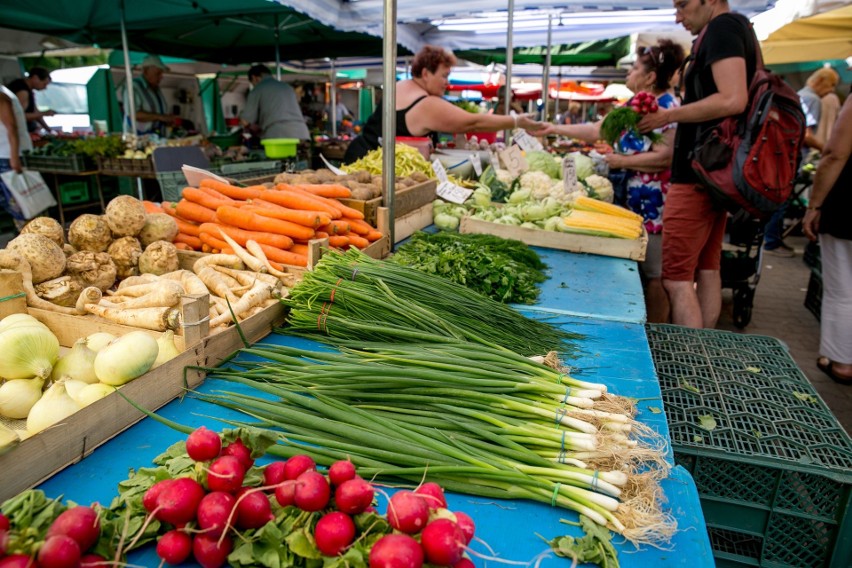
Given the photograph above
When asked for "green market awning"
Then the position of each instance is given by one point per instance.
(600, 53)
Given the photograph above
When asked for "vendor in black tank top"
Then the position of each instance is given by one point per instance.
(422, 110)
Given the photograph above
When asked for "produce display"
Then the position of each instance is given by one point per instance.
(502, 269)
(279, 221)
(208, 500)
(407, 161)
(363, 184)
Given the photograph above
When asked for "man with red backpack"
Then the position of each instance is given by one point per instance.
(715, 86)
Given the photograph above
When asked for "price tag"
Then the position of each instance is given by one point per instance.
(495, 160)
(477, 163)
(452, 192)
(569, 173)
(336, 171)
(514, 161)
(439, 170)
(525, 141)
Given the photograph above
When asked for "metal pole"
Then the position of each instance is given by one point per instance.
(507, 136)
(277, 50)
(545, 82)
(131, 99)
(389, 111)
(333, 114)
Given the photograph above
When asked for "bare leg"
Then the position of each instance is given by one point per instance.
(686, 310)
(656, 301)
(709, 291)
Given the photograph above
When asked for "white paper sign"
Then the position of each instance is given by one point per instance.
(194, 175)
(336, 171)
(452, 192)
(477, 163)
(569, 173)
(525, 141)
(513, 159)
(439, 170)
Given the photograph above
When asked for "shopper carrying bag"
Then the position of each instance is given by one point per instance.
(29, 191)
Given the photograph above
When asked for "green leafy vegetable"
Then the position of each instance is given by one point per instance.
(595, 547)
(805, 397)
(620, 119)
(707, 422)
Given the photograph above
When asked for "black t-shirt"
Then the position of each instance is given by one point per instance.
(727, 35)
(834, 218)
(17, 86)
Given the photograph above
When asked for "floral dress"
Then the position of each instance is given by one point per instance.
(646, 192)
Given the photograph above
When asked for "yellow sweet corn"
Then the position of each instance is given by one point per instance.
(602, 224)
(588, 204)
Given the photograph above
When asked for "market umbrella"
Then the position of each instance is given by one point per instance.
(824, 36)
(604, 52)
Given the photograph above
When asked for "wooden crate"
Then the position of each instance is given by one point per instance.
(633, 249)
(405, 201)
(42, 455)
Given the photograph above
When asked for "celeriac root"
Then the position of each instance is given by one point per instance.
(12, 261)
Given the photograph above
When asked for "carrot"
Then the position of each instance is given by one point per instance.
(195, 212)
(183, 246)
(284, 256)
(169, 207)
(151, 207)
(216, 194)
(360, 227)
(242, 235)
(191, 241)
(326, 189)
(358, 241)
(374, 235)
(212, 242)
(204, 199)
(311, 219)
(187, 227)
(345, 210)
(321, 235)
(253, 222)
(338, 241)
(233, 191)
(299, 248)
(336, 227)
(297, 200)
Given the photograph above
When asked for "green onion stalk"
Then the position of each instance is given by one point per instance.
(350, 295)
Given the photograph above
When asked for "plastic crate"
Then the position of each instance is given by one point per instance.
(246, 170)
(75, 163)
(813, 297)
(74, 192)
(126, 166)
(775, 473)
(171, 184)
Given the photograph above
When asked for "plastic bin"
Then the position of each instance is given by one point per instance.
(774, 469)
(280, 147)
(247, 170)
(74, 192)
(171, 184)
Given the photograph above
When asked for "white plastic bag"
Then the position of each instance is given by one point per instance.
(30, 191)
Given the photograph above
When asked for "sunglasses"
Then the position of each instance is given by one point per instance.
(655, 53)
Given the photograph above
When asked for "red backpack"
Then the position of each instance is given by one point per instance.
(749, 162)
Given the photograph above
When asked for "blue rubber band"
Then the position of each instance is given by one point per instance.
(565, 398)
(559, 378)
(561, 457)
(595, 480)
(555, 494)
(562, 448)
(560, 414)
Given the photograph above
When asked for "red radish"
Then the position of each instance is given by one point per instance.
(312, 491)
(465, 523)
(434, 495)
(17, 561)
(59, 551)
(443, 542)
(203, 444)
(93, 561)
(209, 552)
(149, 500)
(213, 512)
(226, 473)
(297, 465)
(396, 551)
(408, 512)
(334, 532)
(341, 471)
(464, 563)
(4, 522)
(285, 494)
(239, 451)
(174, 547)
(178, 502)
(80, 523)
(273, 474)
(253, 509)
(4, 541)
(353, 496)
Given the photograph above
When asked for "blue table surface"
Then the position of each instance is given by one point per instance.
(614, 351)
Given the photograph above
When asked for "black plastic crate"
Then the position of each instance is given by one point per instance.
(772, 465)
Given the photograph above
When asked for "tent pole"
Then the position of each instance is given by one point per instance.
(131, 99)
(545, 81)
(507, 136)
(389, 112)
(277, 50)
(333, 106)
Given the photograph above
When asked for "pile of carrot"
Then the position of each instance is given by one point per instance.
(281, 220)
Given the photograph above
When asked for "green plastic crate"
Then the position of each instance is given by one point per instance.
(247, 170)
(171, 184)
(775, 473)
(74, 192)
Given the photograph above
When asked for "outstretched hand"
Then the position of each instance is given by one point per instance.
(653, 121)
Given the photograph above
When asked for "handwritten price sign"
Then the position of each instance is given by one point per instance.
(569, 173)
(513, 159)
(525, 141)
(452, 192)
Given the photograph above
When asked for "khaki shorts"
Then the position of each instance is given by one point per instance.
(693, 230)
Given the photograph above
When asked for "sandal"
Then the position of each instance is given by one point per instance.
(826, 365)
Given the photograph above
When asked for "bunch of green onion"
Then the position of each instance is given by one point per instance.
(352, 296)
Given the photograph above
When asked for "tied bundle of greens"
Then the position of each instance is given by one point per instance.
(502, 269)
(352, 296)
(621, 120)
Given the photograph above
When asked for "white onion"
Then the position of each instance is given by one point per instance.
(28, 350)
(77, 364)
(18, 396)
(126, 358)
(167, 349)
(91, 393)
(99, 340)
(54, 406)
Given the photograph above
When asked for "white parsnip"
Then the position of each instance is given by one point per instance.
(255, 249)
(250, 261)
(191, 283)
(131, 281)
(219, 284)
(227, 260)
(157, 319)
(259, 293)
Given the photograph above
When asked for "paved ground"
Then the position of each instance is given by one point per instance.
(779, 312)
